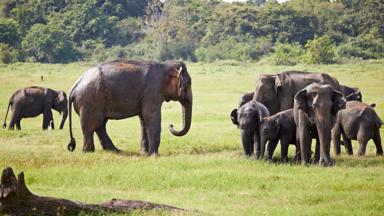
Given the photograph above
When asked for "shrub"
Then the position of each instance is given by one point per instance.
(48, 44)
(7, 54)
(365, 47)
(231, 49)
(320, 50)
(287, 54)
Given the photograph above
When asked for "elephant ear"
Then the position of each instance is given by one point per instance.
(301, 100)
(61, 97)
(277, 123)
(338, 100)
(234, 117)
(278, 83)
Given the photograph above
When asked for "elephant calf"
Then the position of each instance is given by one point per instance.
(280, 126)
(360, 122)
(248, 118)
(32, 101)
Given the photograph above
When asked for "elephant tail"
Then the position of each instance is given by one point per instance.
(6, 115)
(72, 144)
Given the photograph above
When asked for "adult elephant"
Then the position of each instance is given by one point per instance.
(122, 89)
(276, 91)
(33, 101)
(315, 108)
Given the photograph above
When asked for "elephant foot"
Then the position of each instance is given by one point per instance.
(326, 163)
(379, 153)
(154, 154)
(144, 152)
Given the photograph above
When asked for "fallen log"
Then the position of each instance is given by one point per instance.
(16, 199)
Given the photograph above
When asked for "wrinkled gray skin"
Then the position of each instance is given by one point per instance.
(33, 101)
(315, 108)
(121, 89)
(280, 126)
(276, 91)
(360, 122)
(248, 118)
(351, 93)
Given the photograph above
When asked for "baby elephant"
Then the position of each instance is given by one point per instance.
(32, 101)
(248, 118)
(280, 126)
(360, 122)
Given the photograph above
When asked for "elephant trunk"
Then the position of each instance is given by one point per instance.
(324, 126)
(64, 117)
(263, 143)
(187, 115)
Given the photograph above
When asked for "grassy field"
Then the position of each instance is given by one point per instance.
(203, 170)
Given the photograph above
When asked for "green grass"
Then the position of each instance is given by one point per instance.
(203, 170)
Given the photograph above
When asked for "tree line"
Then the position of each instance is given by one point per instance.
(311, 31)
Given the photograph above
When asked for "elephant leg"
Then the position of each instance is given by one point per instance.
(89, 124)
(271, 148)
(153, 123)
(363, 140)
(47, 118)
(377, 141)
(144, 137)
(247, 141)
(18, 126)
(15, 118)
(284, 151)
(336, 135)
(317, 151)
(257, 145)
(105, 141)
(348, 145)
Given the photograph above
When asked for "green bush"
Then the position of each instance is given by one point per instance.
(231, 49)
(8, 32)
(365, 47)
(44, 43)
(287, 54)
(7, 54)
(320, 50)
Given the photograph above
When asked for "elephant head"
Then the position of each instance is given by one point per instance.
(354, 96)
(178, 87)
(60, 104)
(269, 130)
(267, 91)
(320, 103)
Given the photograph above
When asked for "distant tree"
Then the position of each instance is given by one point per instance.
(7, 54)
(48, 44)
(320, 50)
(9, 32)
(258, 2)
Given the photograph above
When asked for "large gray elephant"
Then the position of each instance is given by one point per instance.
(122, 89)
(315, 108)
(32, 101)
(276, 91)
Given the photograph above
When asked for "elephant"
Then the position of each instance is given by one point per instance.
(125, 88)
(34, 100)
(244, 98)
(360, 122)
(280, 126)
(276, 91)
(248, 118)
(351, 93)
(315, 108)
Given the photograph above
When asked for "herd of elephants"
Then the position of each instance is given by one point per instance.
(292, 107)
